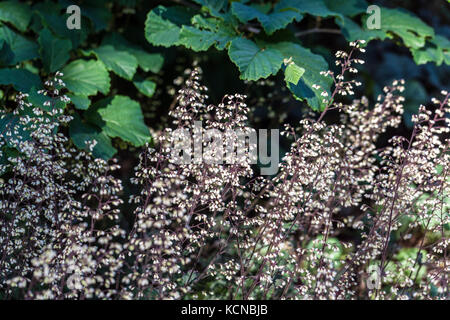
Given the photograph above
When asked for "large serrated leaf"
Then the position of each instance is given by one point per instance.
(223, 31)
(312, 7)
(407, 26)
(54, 51)
(271, 21)
(86, 78)
(349, 8)
(21, 79)
(146, 60)
(443, 44)
(217, 8)
(146, 87)
(22, 48)
(122, 117)
(6, 54)
(120, 62)
(80, 102)
(254, 62)
(214, 6)
(195, 39)
(313, 65)
(428, 54)
(352, 31)
(201, 40)
(437, 50)
(16, 13)
(163, 25)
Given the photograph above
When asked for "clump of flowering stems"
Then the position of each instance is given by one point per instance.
(205, 230)
(216, 231)
(57, 205)
(187, 212)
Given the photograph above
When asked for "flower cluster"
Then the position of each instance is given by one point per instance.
(185, 210)
(58, 207)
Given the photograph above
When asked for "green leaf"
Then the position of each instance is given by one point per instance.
(352, 31)
(163, 25)
(147, 61)
(81, 132)
(22, 80)
(217, 8)
(122, 117)
(313, 7)
(293, 73)
(146, 87)
(212, 24)
(86, 78)
(120, 62)
(54, 51)
(447, 57)
(18, 14)
(28, 65)
(214, 6)
(349, 8)
(313, 65)
(271, 22)
(407, 26)
(22, 48)
(428, 54)
(80, 102)
(254, 62)
(201, 40)
(197, 40)
(6, 54)
(443, 44)
(223, 32)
